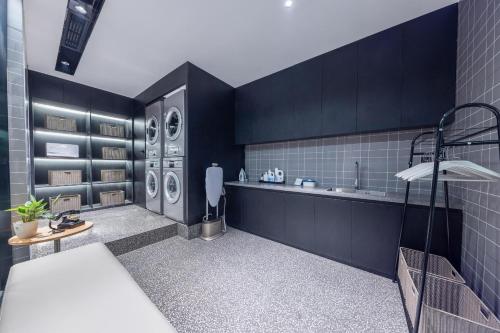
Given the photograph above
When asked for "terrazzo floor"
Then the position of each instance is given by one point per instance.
(244, 283)
(109, 224)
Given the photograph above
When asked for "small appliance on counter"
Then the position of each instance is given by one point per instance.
(308, 182)
(214, 225)
(275, 177)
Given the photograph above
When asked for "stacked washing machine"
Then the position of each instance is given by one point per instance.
(174, 149)
(154, 142)
(165, 138)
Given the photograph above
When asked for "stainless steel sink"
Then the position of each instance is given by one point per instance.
(352, 190)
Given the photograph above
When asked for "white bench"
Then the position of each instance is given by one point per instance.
(80, 290)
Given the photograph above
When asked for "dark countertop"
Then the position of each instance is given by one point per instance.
(390, 197)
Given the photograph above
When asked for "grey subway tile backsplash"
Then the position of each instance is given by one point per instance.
(330, 161)
(478, 80)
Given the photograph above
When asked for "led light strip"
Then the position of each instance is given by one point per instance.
(60, 109)
(50, 159)
(103, 138)
(97, 115)
(71, 135)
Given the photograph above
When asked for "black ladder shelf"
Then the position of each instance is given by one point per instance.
(443, 139)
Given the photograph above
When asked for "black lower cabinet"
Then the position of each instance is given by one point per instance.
(375, 233)
(299, 215)
(333, 228)
(264, 214)
(359, 233)
(234, 208)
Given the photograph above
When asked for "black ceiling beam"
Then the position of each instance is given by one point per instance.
(81, 16)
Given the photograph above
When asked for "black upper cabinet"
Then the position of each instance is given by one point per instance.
(306, 99)
(101, 101)
(380, 75)
(402, 77)
(429, 53)
(339, 91)
(244, 116)
(273, 107)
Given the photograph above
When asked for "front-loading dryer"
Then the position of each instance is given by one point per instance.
(174, 123)
(153, 185)
(154, 134)
(173, 192)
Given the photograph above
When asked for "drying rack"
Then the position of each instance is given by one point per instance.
(443, 140)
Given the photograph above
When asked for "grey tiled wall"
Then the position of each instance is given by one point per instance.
(330, 161)
(18, 153)
(478, 79)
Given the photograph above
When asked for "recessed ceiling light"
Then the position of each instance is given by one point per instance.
(288, 3)
(81, 9)
(64, 63)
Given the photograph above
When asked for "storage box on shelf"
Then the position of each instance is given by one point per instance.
(114, 153)
(60, 123)
(112, 130)
(65, 177)
(113, 175)
(112, 198)
(65, 203)
(448, 306)
(439, 266)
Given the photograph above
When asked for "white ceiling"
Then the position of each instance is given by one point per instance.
(135, 43)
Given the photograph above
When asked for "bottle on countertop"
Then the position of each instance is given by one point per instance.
(242, 176)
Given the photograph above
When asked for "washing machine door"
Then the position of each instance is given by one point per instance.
(152, 130)
(172, 187)
(152, 184)
(173, 123)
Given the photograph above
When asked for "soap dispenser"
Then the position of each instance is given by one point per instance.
(243, 176)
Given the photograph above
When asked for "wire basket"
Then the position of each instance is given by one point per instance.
(436, 265)
(448, 306)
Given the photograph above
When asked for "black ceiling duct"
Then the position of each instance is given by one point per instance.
(81, 16)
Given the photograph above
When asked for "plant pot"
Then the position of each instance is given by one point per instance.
(25, 229)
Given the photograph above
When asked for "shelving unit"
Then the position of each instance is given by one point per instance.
(445, 137)
(90, 142)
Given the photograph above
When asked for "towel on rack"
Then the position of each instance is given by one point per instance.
(456, 170)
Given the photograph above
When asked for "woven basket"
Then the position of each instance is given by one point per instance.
(112, 130)
(65, 177)
(65, 202)
(114, 175)
(114, 153)
(112, 198)
(60, 123)
(448, 306)
(437, 265)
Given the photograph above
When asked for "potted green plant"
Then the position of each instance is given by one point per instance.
(30, 213)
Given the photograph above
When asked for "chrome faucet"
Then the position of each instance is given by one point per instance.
(356, 180)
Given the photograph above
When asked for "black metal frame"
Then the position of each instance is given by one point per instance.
(441, 144)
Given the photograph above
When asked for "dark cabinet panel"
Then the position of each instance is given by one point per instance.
(264, 214)
(380, 75)
(375, 233)
(306, 99)
(244, 113)
(339, 91)
(273, 107)
(101, 101)
(45, 87)
(333, 228)
(300, 221)
(234, 207)
(429, 58)
(77, 95)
